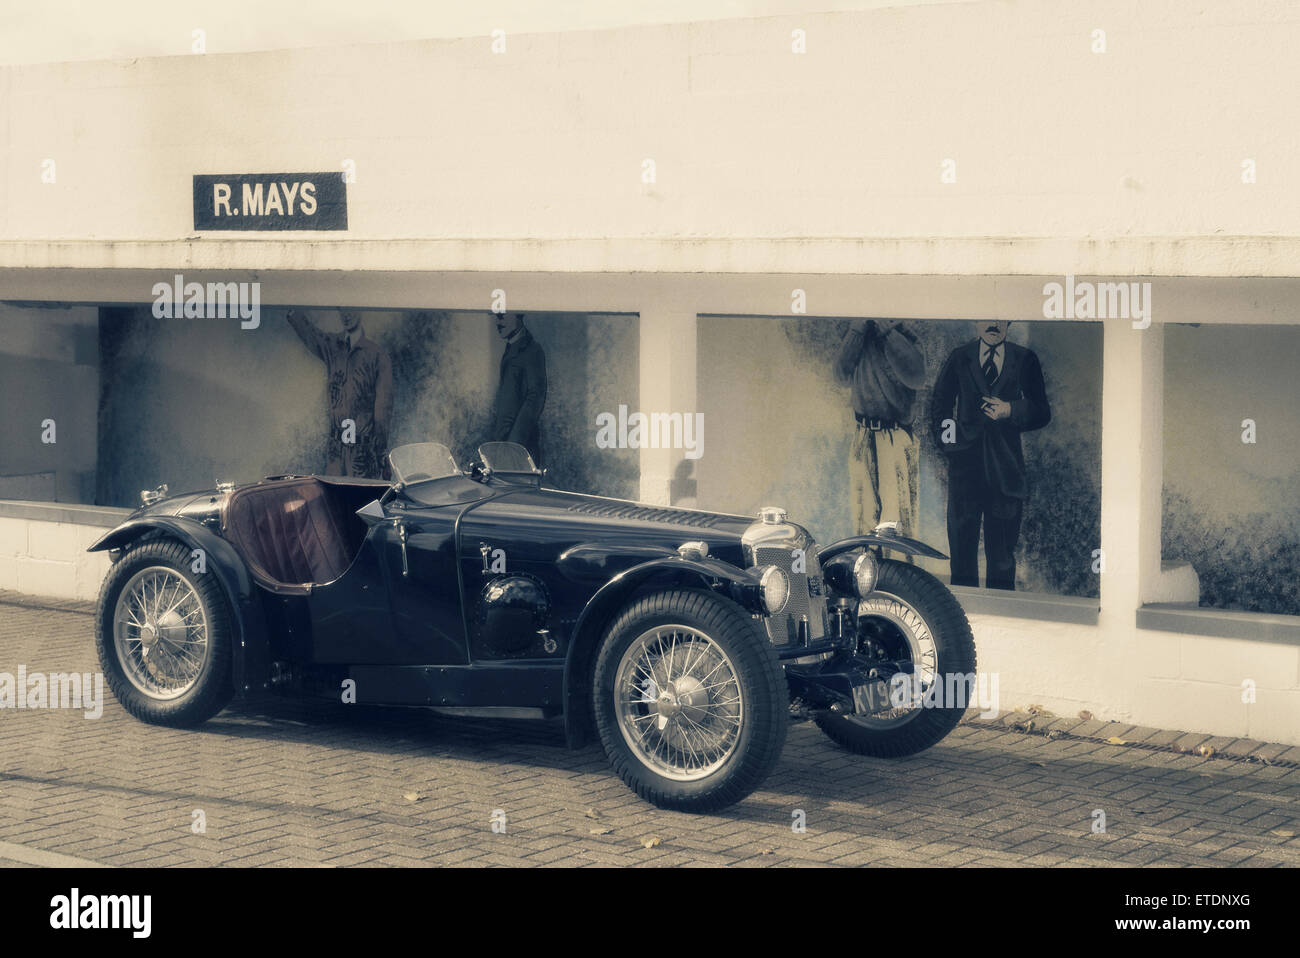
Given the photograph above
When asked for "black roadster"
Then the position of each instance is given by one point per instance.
(684, 639)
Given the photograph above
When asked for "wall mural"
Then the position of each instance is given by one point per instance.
(835, 419)
(188, 401)
(1231, 471)
(858, 398)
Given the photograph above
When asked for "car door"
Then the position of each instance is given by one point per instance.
(418, 548)
(351, 617)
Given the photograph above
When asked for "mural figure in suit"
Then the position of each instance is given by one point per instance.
(359, 377)
(988, 393)
(521, 387)
(883, 365)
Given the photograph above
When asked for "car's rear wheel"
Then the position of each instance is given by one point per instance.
(690, 700)
(163, 635)
(912, 619)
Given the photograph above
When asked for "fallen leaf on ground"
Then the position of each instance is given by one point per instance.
(766, 851)
(1086, 715)
(1284, 833)
(412, 796)
(1116, 740)
(602, 830)
(592, 813)
(651, 842)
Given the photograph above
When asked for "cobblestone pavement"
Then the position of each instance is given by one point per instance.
(304, 784)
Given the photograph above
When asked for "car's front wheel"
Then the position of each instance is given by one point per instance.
(911, 620)
(163, 635)
(690, 700)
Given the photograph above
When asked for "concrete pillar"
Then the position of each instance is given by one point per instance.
(1132, 461)
(667, 384)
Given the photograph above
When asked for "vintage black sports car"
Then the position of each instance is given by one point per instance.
(683, 639)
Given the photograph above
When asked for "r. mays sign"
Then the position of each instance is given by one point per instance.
(270, 201)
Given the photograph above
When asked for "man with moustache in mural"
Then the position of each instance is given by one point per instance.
(521, 387)
(359, 379)
(988, 392)
(883, 364)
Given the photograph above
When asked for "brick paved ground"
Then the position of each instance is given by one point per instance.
(307, 784)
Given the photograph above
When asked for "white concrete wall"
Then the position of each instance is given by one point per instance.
(547, 140)
(1144, 677)
(75, 30)
(50, 558)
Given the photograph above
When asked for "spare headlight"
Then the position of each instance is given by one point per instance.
(774, 589)
(866, 573)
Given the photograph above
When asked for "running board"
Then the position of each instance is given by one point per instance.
(492, 711)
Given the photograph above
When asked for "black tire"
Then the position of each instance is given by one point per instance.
(213, 687)
(764, 715)
(916, 729)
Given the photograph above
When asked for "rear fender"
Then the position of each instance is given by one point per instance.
(739, 585)
(251, 665)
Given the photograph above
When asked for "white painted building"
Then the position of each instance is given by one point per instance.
(932, 162)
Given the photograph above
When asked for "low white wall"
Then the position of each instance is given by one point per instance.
(1146, 677)
(50, 558)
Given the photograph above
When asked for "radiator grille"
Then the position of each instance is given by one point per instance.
(784, 628)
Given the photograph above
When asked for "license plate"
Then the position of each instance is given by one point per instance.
(870, 696)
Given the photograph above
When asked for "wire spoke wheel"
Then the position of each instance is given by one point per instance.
(911, 622)
(679, 702)
(897, 631)
(689, 699)
(160, 633)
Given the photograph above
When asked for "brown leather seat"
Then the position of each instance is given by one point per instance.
(293, 533)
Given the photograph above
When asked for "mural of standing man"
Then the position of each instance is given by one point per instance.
(988, 392)
(359, 377)
(883, 365)
(521, 390)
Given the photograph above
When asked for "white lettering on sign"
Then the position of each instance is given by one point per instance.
(220, 198)
(266, 199)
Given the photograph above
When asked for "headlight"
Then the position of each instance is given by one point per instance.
(774, 589)
(866, 573)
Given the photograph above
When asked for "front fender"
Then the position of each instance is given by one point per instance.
(895, 543)
(739, 585)
(251, 666)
